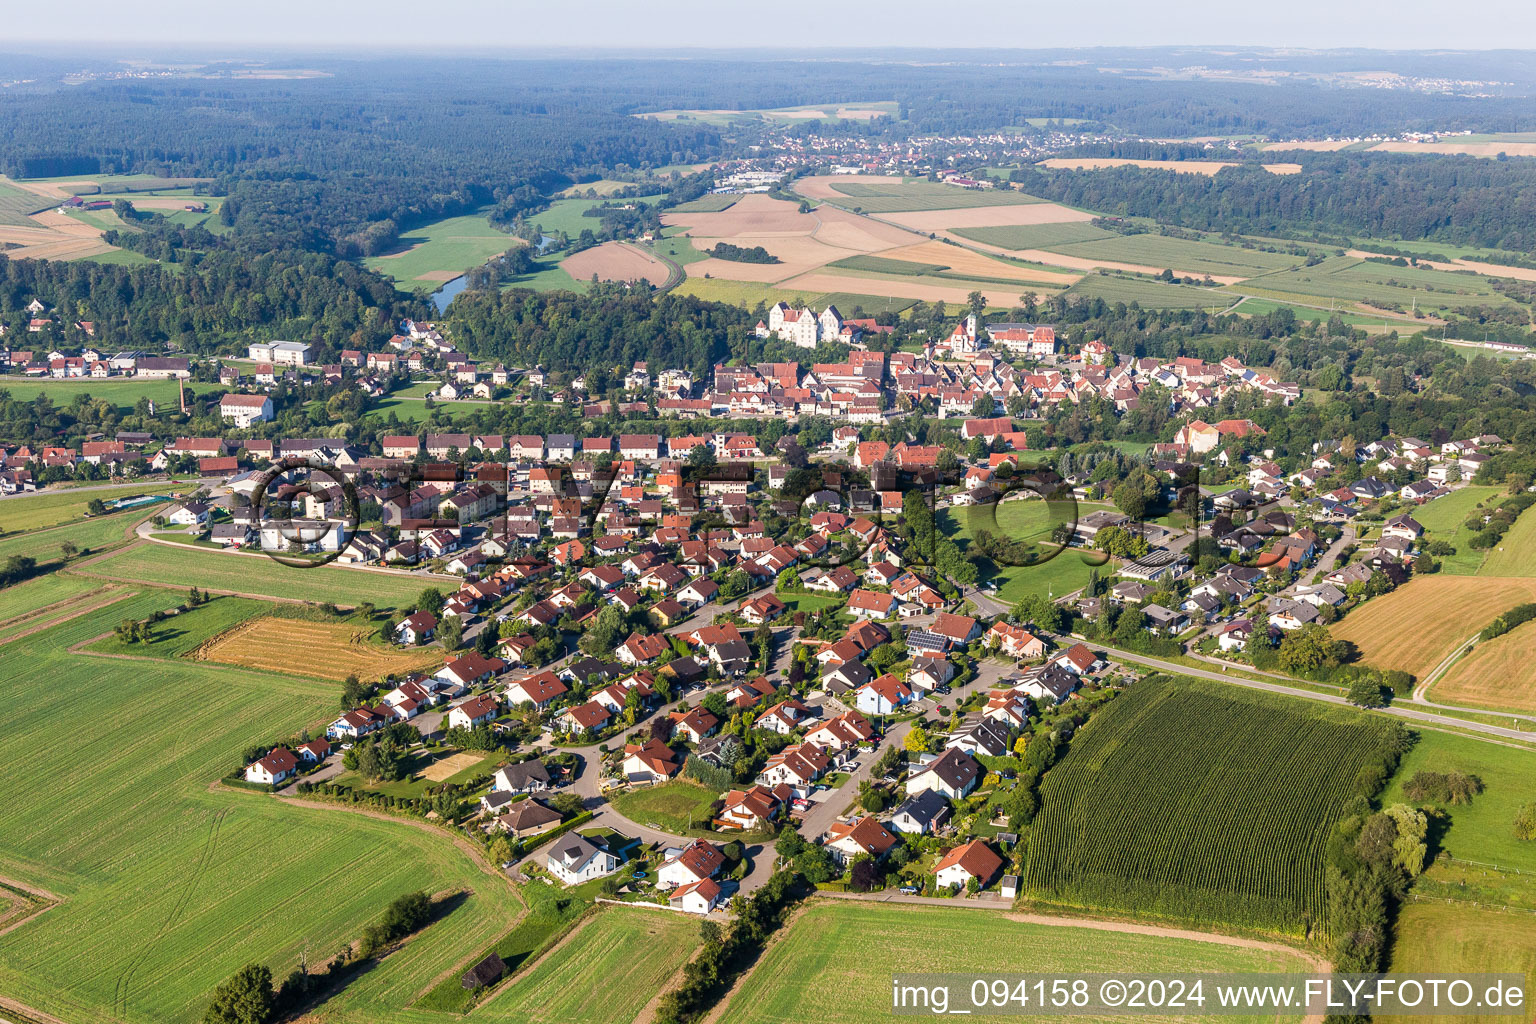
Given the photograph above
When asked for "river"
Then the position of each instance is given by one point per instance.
(445, 294)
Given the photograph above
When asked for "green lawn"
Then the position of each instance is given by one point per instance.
(187, 567)
(605, 974)
(809, 602)
(678, 806)
(86, 535)
(168, 886)
(122, 392)
(1031, 522)
(835, 964)
(453, 244)
(566, 215)
(1431, 938)
(1259, 307)
(1442, 520)
(125, 257)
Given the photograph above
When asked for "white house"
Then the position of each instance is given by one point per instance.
(272, 769)
(699, 897)
(695, 862)
(243, 410)
(974, 859)
(476, 711)
(954, 773)
(575, 858)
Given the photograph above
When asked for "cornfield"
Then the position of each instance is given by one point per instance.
(1200, 802)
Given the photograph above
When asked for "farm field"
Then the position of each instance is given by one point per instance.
(750, 293)
(123, 392)
(33, 602)
(1349, 279)
(892, 196)
(565, 215)
(169, 886)
(1150, 293)
(180, 635)
(1515, 555)
(1496, 674)
(707, 204)
(55, 507)
(870, 304)
(1259, 307)
(954, 261)
(1182, 255)
(1417, 625)
(86, 535)
(863, 111)
(1226, 825)
(17, 204)
(1208, 167)
(605, 973)
(1432, 937)
(834, 963)
(926, 288)
(442, 250)
(1442, 520)
(616, 261)
(184, 567)
(1516, 144)
(1035, 236)
(327, 650)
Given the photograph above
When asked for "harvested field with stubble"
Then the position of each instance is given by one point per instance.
(616, 261)
(324, 650)
(1419, 624)
(1498, 674)
(968, 262)
(987, 217)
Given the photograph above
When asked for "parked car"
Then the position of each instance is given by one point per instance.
(909, 890)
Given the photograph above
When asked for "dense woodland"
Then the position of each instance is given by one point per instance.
(1462, 200)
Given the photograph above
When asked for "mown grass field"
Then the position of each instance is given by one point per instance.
(1496, 674)
(445, 247)
(87, 535)
(180, 635)
(16, 203)
(566, 215)
(1259, 307)
(53, 507)
(1417, 625)
(707, 204)
(1430, 938)
(678, 806)
(1442, 520)
(1029, 521)
(1200, 803)
(122, 392)
(25, 601)
(169, 886)
(1515, 555)
(750, 293)
(187, 567)
(1180, 254)
(605, 973)
(835, 962)
(1035, 236)
(909, 196)
(1149, 293)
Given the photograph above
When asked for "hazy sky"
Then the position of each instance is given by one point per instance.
(411, 25)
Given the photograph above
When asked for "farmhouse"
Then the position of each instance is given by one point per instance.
(277, 766)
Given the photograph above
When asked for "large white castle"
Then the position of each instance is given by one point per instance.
(801, 326)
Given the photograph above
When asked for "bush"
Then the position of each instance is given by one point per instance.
(1443, 787)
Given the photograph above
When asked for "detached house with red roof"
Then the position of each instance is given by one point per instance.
(277, 766)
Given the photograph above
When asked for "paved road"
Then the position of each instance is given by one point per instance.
(1328, 698)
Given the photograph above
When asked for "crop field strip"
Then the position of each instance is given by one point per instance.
(327, 650)
(1035, 236)
(1150, 293)
(1496, 674)
(102, 813)
(1181, 254)
(914, 196)
(180, 566)
(833, 962)
(1167, 806)
(1416, 626)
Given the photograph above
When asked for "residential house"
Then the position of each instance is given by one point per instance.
(574, 858)
(954, 773)
(972, 860)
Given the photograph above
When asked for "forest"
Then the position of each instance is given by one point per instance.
(1461, 200)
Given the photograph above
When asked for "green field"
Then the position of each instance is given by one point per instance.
(707, 204)
(749, 293)
(605, 974)
(1259, 307)
(1035, 236)
(884, 265)
(54, 507)
(1029, 521)
(835, 964)
(1515, 554)
(1149, 293)
(87, 535)
(17, 203)
(1199, 802)
(169, 886)
(1343, 277)
(679, 807)
(871, 304)
(566, 215)
(452, 245)
(126, 257)
(38, 593)
(189, 567)
(1180, 254)
(1434, 937)
(180, 635)
(1442, 520)
(123, 392)
(906, 196)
